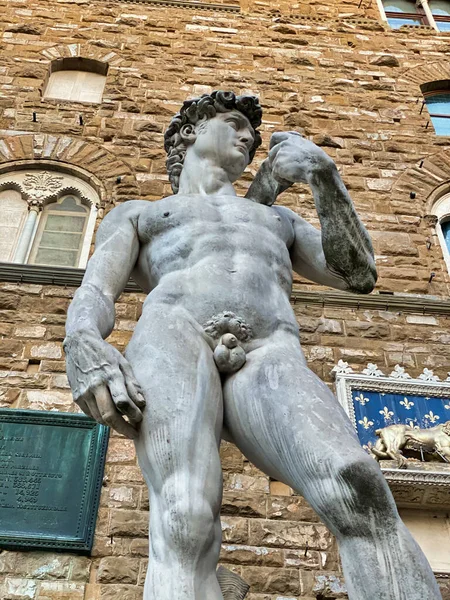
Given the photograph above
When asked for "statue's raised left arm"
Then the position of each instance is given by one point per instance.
(341, 254)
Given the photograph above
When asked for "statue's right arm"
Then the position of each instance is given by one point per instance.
(102, 381)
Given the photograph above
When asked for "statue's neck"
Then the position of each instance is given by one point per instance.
(201, 176)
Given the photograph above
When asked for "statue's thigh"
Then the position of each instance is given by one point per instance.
(183, 416)
(285, 419)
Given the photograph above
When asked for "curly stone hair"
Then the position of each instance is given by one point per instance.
(199, 109)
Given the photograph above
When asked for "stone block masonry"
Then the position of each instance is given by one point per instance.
(330, 70)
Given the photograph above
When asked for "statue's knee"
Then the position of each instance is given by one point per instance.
(358, 499)
(189, 521)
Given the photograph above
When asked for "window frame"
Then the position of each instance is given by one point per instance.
(78, 64)
(441, 210)
(22, 222)
(37, 196)
(420, 15)
(40, 229)
(430, 90)
(439, 19)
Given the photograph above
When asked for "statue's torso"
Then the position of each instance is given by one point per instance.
(218, 254)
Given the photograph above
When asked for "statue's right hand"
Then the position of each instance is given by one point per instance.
(103, 383)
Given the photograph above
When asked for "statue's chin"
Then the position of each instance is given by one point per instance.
(236, 165)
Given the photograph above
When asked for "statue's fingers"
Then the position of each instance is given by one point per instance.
(273, 152)
(133, 387)
(278, 137)
(281, 136)
(123, 402)
(92, 408)
(110, 415)
(81, 402)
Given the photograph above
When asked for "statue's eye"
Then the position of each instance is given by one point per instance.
(233, 123)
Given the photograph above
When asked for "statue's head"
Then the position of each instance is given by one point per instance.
(220, 125)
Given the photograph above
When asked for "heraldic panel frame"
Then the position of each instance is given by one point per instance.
(426, 399)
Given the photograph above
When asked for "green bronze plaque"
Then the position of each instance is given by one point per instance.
(51, 472)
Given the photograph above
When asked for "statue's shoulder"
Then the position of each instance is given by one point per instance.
(129, 209)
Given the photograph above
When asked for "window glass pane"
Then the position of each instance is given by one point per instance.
(446, 231)
(443, 25)
(60, 258)
(438, 105)
(13, 212)
(69, 203)
(441, 125)
(76, 86)
(439, 7)
(396, 23)
(64, 223)
(60, 240)
(401, 6)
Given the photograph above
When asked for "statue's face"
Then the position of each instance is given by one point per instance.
(226, 140)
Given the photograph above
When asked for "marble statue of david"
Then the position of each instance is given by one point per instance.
(216, 352)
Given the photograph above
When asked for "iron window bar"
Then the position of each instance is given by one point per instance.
(441, 19)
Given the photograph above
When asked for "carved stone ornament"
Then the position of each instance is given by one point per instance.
(342, 368)
(42, 184)
(400, 373)
(372, 370)
(400, 412)
(431, 220)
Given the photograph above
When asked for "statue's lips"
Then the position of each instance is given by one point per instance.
(243, 149)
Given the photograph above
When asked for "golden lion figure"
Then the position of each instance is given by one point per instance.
(397, 438)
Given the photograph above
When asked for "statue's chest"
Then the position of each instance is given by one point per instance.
(207, 215)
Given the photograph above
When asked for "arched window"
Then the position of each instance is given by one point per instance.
(76, 79)
(441, 210)
(13, 213)
(403, 12)
(46, 218)
(437, 99)
(60, 235)
(445, 225)
(440, 10)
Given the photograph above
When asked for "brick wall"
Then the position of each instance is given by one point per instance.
(327, 69)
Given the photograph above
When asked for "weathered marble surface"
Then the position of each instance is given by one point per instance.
(203, 254)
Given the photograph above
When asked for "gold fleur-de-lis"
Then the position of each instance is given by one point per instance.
(386, 413)
(411, 424)
(432, 417)
(407, 404)
(366, 423)
(447, 406)
(362, 399)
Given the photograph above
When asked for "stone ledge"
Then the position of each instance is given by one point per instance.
(69, 277)
(188, 4)
(47, 275)
(404, 303)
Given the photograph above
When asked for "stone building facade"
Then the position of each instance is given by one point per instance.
(334, 71)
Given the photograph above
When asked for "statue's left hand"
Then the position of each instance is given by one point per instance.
(295, 159)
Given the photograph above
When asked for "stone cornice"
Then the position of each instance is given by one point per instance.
(187, 4)
(388, 302)
(68, 277)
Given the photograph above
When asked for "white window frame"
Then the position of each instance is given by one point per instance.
(81, 67)
(441, 209)
(38, 197)
(423, 3)
(40, 228)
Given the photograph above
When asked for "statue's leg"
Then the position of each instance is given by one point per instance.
(178, 452)
(289, 424)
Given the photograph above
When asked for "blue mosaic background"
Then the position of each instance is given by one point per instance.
(375, 410)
